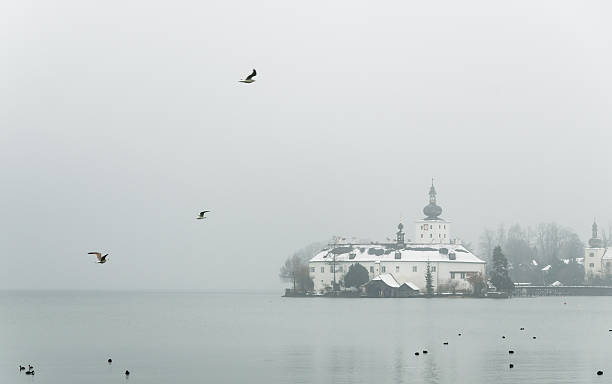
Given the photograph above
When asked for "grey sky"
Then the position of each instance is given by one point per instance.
(120, 120)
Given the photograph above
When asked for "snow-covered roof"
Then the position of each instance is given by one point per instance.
(388, 279)
(387, 252)
(392, 282)
(546, 268)
(534, 263)
(411, 285)
(556, 284)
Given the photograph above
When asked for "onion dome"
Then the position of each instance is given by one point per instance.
(595, 241)
(432, 210)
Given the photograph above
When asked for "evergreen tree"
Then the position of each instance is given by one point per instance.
(428, 280)
(356, 276)
(499, 272)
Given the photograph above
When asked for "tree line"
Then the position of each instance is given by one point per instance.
(538, 255)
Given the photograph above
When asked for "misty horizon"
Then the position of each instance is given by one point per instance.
(122, 121)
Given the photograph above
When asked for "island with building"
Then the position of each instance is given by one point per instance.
(401, 267)
(435, 264)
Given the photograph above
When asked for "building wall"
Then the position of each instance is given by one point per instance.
(403, 270)
(432, 232)
(594, 265)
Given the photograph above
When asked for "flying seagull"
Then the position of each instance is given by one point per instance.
(101, 259)
(250, 78)
(202, 215)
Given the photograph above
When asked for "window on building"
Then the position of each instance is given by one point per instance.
(398, 255)
(430, 235)
(433, 268)
(439, 235)
(371, 269)
(452, 275)
(331, 269)
(592, 254)
(439, 226)
(445, 235)
(591, 265)
(322, 269)
(312, 269)
(383, 269)
(397, 268)
(463, 275)
(421, 235)
(414, 268)
(340, 269)
(444, 226)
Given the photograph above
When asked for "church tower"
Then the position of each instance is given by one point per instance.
(400, 236)
(596, 261)
(432, 229)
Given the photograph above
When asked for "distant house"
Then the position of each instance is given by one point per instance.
(386, 285)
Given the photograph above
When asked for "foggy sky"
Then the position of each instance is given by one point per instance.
(120, 120)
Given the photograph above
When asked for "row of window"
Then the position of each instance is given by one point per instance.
(461, 275)
(431, 235)
(427, 227)
(383, 269)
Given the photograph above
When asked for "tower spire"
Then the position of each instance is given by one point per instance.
(432, 210)
(595, 241)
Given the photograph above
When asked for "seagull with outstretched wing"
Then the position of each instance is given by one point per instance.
(101, 259)
(250, 78)
(201, 216)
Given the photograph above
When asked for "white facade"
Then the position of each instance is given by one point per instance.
(433, 231)
(597, 258)
(451, 263)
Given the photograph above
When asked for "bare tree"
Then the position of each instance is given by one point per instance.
(606, 236)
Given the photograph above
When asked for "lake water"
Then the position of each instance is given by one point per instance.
(263, 338)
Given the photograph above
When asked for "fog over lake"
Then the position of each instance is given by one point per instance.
(120, 121)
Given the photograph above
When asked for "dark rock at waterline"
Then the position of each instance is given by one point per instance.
(511, 352)
(511, 365)
(416, 353)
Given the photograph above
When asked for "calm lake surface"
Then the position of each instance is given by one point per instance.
(263, 338)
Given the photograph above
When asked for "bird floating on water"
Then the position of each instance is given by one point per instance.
(250, 78)
(201, 216)
(101, 259)
(21, 368)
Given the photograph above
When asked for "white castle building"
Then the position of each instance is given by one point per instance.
(401, 263)
(597, 258)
